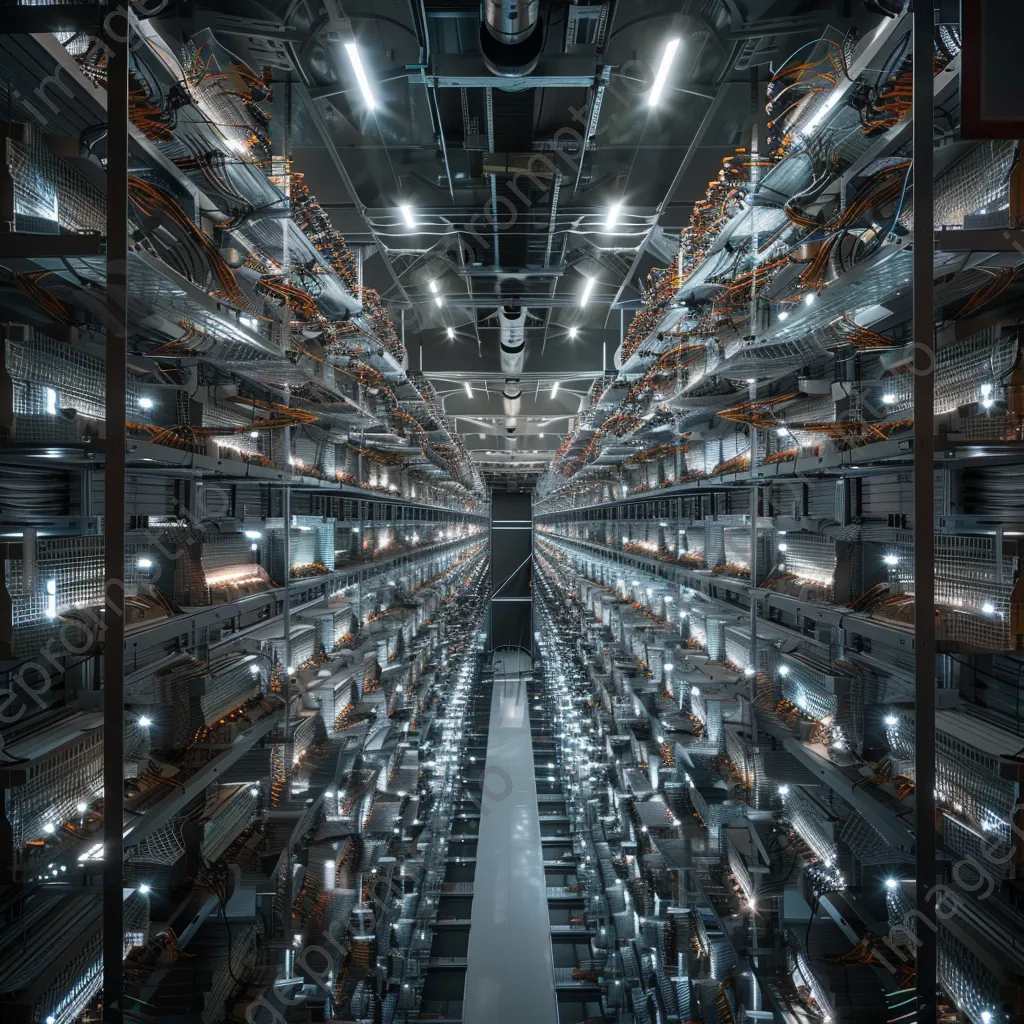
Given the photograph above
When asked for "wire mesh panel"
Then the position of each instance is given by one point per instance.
(809, 558)
(973, 587)
(48, 194)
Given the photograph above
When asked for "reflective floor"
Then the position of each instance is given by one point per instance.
(509, 976)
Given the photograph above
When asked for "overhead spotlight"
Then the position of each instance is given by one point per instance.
(540, 435)
(434, 287)
(748, 672)
(554, 389)
(360, 72)
(782, 431)
(451, 333)
(49, 828)
(988, 608)
(810, 298)
(438, 301)
(573, 331)
(469, 390)
(694, 691)
(891, 560)
(783, 546)
(81, 807)
(783, 316)
(144, 563)
(407, 215)
(891, 720)
(588, 288)
(889, 398)
(783, 790)
(613, 215)
(145, 722)
(661, 76)
(783, 670)
(144, 889)
(668, 666)
(891, 883)
(145, 403)
(254, 433)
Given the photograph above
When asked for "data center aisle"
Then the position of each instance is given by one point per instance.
(510, 977)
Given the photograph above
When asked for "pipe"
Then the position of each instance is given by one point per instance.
(511, 36)
(512, 323)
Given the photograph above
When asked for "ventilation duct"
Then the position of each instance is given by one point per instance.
(512, 398)
(512, 320)
(511, 36)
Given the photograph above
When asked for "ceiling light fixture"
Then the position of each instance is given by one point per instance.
(588, 288)
(360, 72)
(613, 215)
(783, 316)
(407, 215)
(451, 333)
(573, 331)
(469, 390)
(661, 77)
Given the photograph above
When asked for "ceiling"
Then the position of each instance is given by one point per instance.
(508, 181)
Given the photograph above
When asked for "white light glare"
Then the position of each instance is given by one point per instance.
(889, 398)
(451, 333)
(145, 403)
(407, 215)
(144, 563)
(810, 298)
(891, 560)
(588, 287)
(988, 608)
(783, 316)
(145, 722)
(783, 670)
(573, 331)
(360, 72)
(783, 790)
(891, 883)
(144, 889)
(82, 807)
(661, 77)
(891, 720)
(613, 215)
(253, 535)
(554, 389)
(51, 401)
(986, 1017)
(469, 390)
(668, 666)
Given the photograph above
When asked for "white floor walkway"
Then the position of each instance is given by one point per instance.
(509, 977)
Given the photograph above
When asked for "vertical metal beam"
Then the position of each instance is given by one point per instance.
(115, 412)
(924, 510)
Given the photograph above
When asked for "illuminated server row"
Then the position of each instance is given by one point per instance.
(305, 562)
(727, 536)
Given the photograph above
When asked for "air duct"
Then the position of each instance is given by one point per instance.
(512, 321)
(511, 36)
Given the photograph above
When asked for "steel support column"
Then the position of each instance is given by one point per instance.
(114, 521)
(924, 510)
